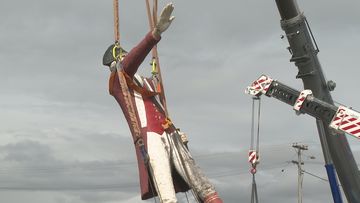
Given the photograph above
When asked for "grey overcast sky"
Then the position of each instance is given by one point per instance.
(63, 139)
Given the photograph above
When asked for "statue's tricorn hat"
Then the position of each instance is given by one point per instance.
(108, 57)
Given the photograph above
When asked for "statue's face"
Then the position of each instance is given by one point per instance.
(123, 56)
(112, 66)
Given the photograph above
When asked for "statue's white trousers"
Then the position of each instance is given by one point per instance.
(167, 151)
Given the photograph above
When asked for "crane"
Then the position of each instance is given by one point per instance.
(304, 49)
(339, 119)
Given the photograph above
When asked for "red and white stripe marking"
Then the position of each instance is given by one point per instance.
(300, 100)
(261, 85)
(347, 120)
(253, 156)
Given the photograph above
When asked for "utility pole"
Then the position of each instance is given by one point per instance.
(299, 148)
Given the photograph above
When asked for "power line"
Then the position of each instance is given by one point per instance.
(95, 166)
(83, 170)
(316, 176)
(117, 186)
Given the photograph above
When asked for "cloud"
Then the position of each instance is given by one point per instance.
(64, 139)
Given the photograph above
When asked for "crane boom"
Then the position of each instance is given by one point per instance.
(341, 118)
(304, 50)
(338, 119)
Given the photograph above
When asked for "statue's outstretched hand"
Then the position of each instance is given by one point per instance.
(164, 21)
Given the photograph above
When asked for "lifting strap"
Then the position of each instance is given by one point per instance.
(138, 139)
(123, 78)
(116, 30)
(156, 72)
(116, 21)
(143, 91)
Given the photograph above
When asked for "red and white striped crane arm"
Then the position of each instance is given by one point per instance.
(342, 119)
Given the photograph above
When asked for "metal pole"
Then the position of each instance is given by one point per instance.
(304, 54)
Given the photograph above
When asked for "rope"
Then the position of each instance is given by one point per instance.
(177, 144)
(132, 115)
(116, 21)
(156, 72)
(136, 127)
(126, 93)
(254, 195)
(152, 189)
(151, 24)
(252, 144)
(151, 170)
(187, 199)
(258, 127)
(255, 121)
(152, 18)
(155, 11)
(252, 124)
